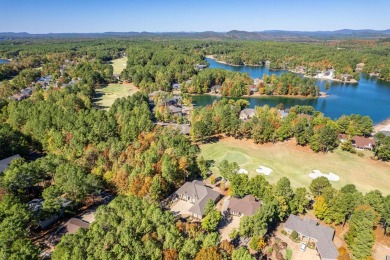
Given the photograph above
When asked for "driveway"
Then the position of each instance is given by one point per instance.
(181, 207)
(225, 231)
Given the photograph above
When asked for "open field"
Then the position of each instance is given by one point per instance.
(119, 65)
(296, 162)
(106, 96)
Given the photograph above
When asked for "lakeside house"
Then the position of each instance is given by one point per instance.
(5, 163)
(283, 113)
(308, 117)
(326, 74)
(311, 231)
(247, 113)
(253, 88)
(176, 86)
(175, 110)
(359, 142)
(197, 193)
(216, 89)
(257, 81)
(74, 224)
(246, 206)
(184, 129)
(346, 77)
(200, 66)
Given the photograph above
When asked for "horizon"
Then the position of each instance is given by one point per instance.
(162, 32)
(88, 16)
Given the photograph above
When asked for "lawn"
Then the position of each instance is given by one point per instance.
(119, 65)
(295, 162)
(106, 96)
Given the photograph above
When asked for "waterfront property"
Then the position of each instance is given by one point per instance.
(247, 113)
(198, 194)
(310, 231)
(343, 98)
(360, 142)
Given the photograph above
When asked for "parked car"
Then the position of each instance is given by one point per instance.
(303, 247)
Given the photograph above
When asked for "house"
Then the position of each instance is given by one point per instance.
(247, 113)
(359, 66)
(200, 66)
(216, 89)
(308, 117)
(176, 86)
(359, 142)
(74, 224)
(246, 206)
(257, 81)
(19, 97)
(5, 163)
(36, 206)
(310, 231)
(175, 110)
(197, 193)
(283, 113)
(116, 76)
(27, 91)
(346, 77)
(267, 63)
(253, 88)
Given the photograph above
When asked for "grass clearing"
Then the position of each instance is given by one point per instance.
(106, 96)
(296, 162)
(119, 65)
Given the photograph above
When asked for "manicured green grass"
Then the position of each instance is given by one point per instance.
(106, 96)
(295, 162)
(119, 65)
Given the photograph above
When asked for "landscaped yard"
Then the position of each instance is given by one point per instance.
(119, 65)
(106, 96)
(296, 162)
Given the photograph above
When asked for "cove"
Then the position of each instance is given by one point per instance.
(369, 97)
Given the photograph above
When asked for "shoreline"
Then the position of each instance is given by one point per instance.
(353, 81)
(261, 96)
(378, 127)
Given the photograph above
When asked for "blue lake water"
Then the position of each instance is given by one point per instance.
(2, 61)
(369, 97)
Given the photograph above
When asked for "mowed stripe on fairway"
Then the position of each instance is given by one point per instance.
(296, 162)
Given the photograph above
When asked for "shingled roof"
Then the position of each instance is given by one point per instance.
(246, 206)
(5, 163)
(310, 228)
(201, 193)
(74, 224)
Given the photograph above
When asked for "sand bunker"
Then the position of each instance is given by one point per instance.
(242, 171)
(330, 176)
(264, 170)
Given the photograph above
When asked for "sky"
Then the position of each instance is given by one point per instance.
(83, 16)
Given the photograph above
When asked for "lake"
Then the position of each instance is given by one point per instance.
(2, 61)
(369, 97)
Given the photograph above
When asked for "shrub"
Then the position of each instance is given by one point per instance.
(212, 179)
(311, 245)
(360, 154)
(294, 235)
(284, 232)
(288, 254)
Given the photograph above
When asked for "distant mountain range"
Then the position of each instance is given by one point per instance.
(234, 34)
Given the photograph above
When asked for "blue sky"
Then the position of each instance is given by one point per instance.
(56, 16)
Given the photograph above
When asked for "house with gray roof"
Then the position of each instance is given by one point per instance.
(5, 163)
(197, 193)
(247, 113)
(246, 206)
(310, 230)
